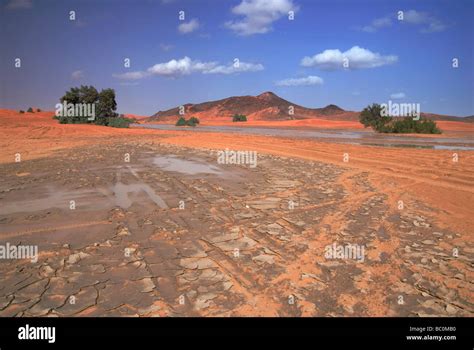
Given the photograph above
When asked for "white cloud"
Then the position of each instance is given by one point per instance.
(357, 57)
(377, 24)
(231, 68)
(431, 24)
(131, 75)
(185, 66)
(179, 67)
(77, 75)
(307, 81)
(259, 15)
(397, 95)
(165, 47)
(188, 27)
(19, 4)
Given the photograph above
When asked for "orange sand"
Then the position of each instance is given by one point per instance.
(427, 175)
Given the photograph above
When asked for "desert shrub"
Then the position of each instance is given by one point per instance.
(193, 121)
(38, 110)
(239, 118)
(117, 122)
(408, 125)
(22, 111)
(371, 117)
(181, 122)
(105, 106)
(30, 110)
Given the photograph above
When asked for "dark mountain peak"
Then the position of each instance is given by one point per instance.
(267, 95)
(331, 109)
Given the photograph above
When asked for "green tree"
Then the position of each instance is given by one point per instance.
(106, 106)
(371, 116)
(181, 122)
(239, 118)
(30, 110)
(193, 121)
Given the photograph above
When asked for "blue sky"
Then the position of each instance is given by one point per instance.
(175, 61)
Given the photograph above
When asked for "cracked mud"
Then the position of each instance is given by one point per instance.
(180, 235)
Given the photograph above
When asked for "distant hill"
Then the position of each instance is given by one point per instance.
(266, 106)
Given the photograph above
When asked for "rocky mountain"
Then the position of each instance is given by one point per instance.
(266, 106)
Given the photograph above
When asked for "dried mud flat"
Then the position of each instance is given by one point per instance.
(236, 247)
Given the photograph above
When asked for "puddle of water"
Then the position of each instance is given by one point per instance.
(354, 137)
(123, 200)
(184, 166)
(463, 148)
(406, 145)
(53, 197)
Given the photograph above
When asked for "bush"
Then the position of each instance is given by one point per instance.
(193, 121)
(105, 106)
(181, 122)
(38, 110)
(22, 111)
(239, 118)
(30, 110)
(410, 126)
(371, 116)
(118, 122)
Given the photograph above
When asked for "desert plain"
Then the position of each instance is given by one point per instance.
(159, 228)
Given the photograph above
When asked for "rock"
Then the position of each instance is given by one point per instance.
(203, 300)
(74, 258)
(148, 285)
(46, 271)
(264, 258)
(194, 263)
(451, 309)
(67, 246)
(123, 232)
(227, 285)
(428, 242)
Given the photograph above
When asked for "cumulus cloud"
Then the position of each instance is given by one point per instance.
(397, 95)
(430, 23)
(307, 81)
(131, 75)
(232, 68)
(259, 15)
(19, 4)
(182, 66)
(358, 58)
(376, 24)
(188, 27)
(77, 75)
(166, 47)
(185, 66)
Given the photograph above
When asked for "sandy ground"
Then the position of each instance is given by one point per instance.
(237, 247)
